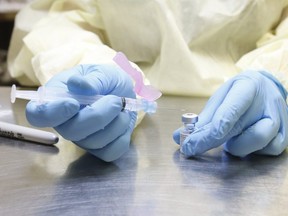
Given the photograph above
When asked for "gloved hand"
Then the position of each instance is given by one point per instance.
(248, 114)
(100, 128)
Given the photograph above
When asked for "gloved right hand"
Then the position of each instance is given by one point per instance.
(248, 114)
(102, 128)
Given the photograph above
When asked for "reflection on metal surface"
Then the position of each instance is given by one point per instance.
(56, 165)
(153, 178)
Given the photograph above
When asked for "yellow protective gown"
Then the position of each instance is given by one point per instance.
(183, 47)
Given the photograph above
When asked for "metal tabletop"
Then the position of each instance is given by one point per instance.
(153, 178)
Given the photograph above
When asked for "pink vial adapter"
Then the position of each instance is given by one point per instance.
(148, 92)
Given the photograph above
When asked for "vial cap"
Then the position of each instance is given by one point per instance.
(191, 118)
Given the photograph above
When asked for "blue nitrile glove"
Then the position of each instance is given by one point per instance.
(248, 114)
(101, 128)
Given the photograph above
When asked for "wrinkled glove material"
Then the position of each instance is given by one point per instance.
(101, 128)
(247, 114)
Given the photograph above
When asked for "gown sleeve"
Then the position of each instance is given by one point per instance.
(271, 53)
(51, 36)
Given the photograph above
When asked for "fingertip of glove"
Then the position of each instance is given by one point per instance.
(71, 107)
(176, 136)
(79, 85)
(51, 114)
(196, 143)
(188, 149)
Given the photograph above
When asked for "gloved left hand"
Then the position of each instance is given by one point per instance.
(101, 128)
(248, 114)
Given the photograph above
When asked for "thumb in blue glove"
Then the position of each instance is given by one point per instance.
(101, 128)
(248, 114)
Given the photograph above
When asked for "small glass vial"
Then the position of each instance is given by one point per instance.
(189, 120)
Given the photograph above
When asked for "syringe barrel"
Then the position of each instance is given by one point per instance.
(45, 94)
(140, 104)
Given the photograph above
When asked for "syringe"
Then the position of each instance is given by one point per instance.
(46, 94)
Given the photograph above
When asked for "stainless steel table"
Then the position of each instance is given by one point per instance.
(153, 178)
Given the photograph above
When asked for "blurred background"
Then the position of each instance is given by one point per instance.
(8, 10)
